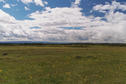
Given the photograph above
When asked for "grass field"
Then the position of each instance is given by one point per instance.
(91, 64)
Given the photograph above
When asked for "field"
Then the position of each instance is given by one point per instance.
(62, 64)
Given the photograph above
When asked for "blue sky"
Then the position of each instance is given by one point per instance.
(63, 20)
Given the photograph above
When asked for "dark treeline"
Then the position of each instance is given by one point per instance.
(63, 44)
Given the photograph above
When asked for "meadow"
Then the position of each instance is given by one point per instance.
(62, 64)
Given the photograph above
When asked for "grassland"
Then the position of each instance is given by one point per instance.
(62, 64)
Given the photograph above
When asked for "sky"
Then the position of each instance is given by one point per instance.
(94, 21)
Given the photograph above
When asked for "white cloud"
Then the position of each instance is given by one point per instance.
(27, 1)
(52, 20)
(10, 29)
(6, 17)
(111, 7)
(77, 2)
(59, 17)
(2, 0)
(6, 6)
(45, 2)
(37, 2)
(26, 8)
(94, 29)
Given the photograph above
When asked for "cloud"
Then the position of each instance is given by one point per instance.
(27, 1)
(10, 29)
(6, 6)
(2, 0)
(77, 2)
(111, 7)
(37, 2)
(58, 17)
(50, 25)
(26, 8)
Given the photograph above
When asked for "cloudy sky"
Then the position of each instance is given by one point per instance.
(63, 20)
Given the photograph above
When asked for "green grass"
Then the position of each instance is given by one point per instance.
(92, 64)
